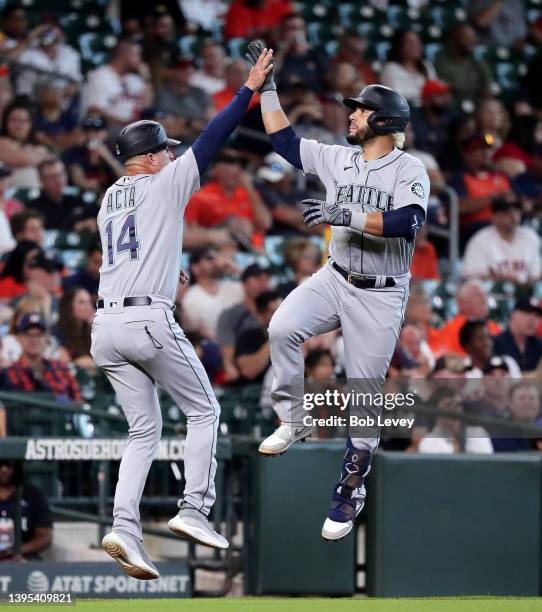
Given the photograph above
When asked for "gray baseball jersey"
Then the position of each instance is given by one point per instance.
(141, 228)
(388, 183)
(141, 347)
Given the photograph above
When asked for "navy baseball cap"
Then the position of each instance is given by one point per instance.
(46, 263)
(29, 320)
(253, 270)
(528, 305)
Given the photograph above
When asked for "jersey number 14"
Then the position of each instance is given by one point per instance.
(127, 240)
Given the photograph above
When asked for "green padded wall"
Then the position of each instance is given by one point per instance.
(289, 498)
(454, 525)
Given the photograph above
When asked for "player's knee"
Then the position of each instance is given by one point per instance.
(280, 332)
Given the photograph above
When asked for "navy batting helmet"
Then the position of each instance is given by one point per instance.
(391, 110)
(142, 137)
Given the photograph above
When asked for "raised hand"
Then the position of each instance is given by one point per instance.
(255, 50)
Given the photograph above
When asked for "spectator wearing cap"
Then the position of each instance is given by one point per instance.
(236, 74)
(229, 199)
(281, 196)
(28, 225)
(431, 121)
(210, 292)
(235, 320)
(210, 77)
(457, 65)
(476, 184)
(91, 165)
(118, 90)
(16, 272)
(61, 210)
(478, 345)
(252, 356)
(504, 250)
(351, 49)
(11, 348)
(55, 125)
(186, 102)
(519, 340)
(295, 59)
(406, 70)
(50, 59)
(18, 146)
(500, 23)
(32, 371)
(32, 510)
(524, 409)
(255, 18)
(496, 383)
(472, 305)
(528, 185)
(88, 277)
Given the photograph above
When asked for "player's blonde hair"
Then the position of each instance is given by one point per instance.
(398, 139)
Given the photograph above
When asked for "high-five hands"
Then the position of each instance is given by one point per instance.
(257, 49)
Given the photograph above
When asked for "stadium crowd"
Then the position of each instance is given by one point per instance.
(476, 125)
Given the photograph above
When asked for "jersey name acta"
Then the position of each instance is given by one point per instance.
(121, 198)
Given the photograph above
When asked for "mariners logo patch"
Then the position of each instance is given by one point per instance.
(417, 189)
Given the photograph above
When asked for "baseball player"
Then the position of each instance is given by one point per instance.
(376, 200)
(135, 338)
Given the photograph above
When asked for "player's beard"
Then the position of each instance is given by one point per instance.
(363, 135)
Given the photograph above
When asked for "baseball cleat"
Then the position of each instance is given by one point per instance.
(129, 553)
(340, 520)
(190, 524)
(282, 438)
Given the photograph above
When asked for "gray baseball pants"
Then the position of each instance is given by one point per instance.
(370, 320)
(139, 347)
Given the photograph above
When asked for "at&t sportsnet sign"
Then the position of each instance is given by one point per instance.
(92, 580)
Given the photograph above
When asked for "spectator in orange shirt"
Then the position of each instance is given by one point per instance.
(230, 200)
(472, 305)
(254, 18)
(236, 75)
(424, 263)
(476, 184)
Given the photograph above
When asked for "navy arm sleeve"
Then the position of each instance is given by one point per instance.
(288, 145)
(220, 127)
(403, 223)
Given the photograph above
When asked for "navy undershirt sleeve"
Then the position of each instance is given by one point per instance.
(404, 222)
(219, 128)
(288, 145)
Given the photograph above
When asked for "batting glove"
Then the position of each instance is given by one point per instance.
(318, 211)
(255, 49)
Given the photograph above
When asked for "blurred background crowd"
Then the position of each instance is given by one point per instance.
(71, 77)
